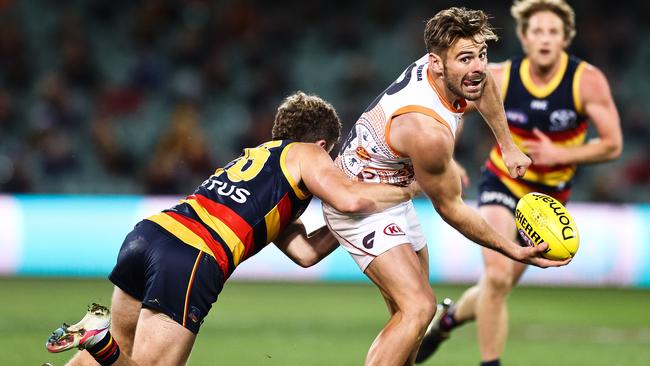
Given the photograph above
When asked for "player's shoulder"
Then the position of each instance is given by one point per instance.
(592, 79)
(499, 66)
(498, 69)
(414, 130)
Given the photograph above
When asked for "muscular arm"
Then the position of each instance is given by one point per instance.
(305, 250)
(490, 106)
(598, 104)
(327, 182)
(415, 135)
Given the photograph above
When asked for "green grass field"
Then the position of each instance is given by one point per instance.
(333, 324)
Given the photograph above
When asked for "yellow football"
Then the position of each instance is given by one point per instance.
(542, 218)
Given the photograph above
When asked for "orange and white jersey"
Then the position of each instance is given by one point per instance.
(367, 154)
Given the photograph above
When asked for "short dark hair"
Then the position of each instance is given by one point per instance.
(307, 118)
(449, 25)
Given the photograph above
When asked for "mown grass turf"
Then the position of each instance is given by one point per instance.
(333, 324)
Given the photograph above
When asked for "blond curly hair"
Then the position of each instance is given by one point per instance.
(522, 10)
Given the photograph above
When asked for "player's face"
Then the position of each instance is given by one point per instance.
(465, 67)
(544, 39)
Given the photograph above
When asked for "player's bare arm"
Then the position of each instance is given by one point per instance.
(490, 106)
(598, 104)
(323, 179)
(305, 250)
(414, 135)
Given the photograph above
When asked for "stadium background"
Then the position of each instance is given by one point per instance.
(113, 109)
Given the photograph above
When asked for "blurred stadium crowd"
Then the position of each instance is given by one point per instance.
(117, 96)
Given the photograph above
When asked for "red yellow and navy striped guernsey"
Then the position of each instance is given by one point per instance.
(241, 208)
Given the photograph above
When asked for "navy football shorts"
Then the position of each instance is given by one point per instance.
(167, 275)
(491, 191)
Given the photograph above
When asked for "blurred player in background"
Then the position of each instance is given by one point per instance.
(173, 265)
(549, 97)
(408, 132)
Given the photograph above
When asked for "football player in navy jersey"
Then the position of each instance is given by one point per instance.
(173, 265)
(549, 98)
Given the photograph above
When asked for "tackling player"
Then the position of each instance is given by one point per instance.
(173, 265)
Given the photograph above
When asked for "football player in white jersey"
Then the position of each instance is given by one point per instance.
(408, 133)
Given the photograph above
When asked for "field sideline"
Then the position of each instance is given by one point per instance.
(333, 324)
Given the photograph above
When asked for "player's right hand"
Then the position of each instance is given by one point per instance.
(533, 255)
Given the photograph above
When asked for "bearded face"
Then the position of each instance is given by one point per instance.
(464, 68)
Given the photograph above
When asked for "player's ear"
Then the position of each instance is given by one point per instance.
(322, 143)
(436, 63)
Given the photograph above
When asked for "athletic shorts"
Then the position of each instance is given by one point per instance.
(491, 191)
(167, 275)
(366, 237)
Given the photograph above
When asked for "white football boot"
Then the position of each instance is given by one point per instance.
(86, 333)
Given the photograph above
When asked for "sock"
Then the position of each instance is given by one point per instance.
(491, 363)
(106, 351)
(448, 322)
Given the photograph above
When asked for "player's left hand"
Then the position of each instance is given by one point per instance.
(516, 161)
(543, 151)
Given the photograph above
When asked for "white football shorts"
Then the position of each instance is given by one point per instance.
(367, 236)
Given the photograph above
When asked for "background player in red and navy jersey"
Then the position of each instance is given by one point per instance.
(173, 265)
(549, 97)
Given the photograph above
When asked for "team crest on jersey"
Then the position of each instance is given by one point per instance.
(539, 104)
(516, 117)
(393, 230)
(562, 119)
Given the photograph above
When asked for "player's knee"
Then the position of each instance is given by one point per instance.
(421, 309)
(498, 281)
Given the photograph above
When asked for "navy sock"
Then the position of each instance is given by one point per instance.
(106, 351)
(491, 363)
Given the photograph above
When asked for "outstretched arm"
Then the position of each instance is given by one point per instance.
(491, 108)
(305, 250)
(327, 182)
(439, 179)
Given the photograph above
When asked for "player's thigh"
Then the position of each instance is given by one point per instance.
(399, 275)
(125, 311)
(161, 341)
(497, 265)
(423, 257)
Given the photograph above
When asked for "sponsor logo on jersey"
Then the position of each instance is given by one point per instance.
(562, 119)
(419, 71)
(538, 105)
(237, 194)
(393, 230)
(516, 117)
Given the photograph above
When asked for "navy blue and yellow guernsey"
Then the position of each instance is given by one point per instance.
(241, 208)
(555, 109)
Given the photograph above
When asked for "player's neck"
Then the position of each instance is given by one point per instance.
(450, 98)
(543, 74)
